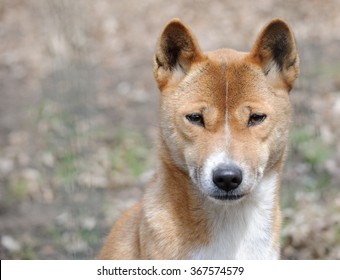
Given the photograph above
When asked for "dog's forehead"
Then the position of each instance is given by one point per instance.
(225, 78)
(245, 80)
(236, 68)
(225, 72)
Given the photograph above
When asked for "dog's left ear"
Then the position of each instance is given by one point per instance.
(276, 52)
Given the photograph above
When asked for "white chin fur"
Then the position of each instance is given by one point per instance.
(240, 231)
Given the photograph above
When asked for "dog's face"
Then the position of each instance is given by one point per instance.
(225, 115)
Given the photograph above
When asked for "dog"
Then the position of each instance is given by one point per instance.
(224, 125)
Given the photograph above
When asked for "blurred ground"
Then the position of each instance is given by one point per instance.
(78, 117)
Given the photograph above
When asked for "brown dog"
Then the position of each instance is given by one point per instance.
(224, 126)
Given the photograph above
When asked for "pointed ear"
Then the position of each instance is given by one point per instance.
(177, 49)
(276, 52)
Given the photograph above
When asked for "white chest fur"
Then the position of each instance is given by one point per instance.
(242, 230)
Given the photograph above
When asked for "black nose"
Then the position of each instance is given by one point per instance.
(227, 177)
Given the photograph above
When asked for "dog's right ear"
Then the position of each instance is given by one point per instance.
(177, 49)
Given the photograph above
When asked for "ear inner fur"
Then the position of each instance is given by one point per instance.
(275, 51)
(177, 49)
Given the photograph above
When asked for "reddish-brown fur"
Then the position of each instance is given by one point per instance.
(227, 87)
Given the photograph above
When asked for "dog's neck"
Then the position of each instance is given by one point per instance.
(244, 229)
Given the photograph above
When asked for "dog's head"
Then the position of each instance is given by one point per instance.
(225, 115)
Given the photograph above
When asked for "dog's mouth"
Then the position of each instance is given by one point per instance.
(228, 196)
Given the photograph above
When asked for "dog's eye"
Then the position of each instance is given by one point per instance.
(195, 118)
(256, 119)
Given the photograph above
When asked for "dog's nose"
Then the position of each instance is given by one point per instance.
(227, 177)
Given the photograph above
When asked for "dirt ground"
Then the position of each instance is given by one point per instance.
(78, 117)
